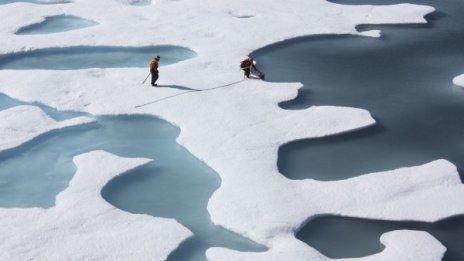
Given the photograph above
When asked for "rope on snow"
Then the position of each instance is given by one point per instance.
(172, 96)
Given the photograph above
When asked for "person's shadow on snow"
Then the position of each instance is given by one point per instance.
(177, 87)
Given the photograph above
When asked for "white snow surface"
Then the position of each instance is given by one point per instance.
(459, 80)
(83, 226)
(401, 245)
(22, 123)
(234, 125)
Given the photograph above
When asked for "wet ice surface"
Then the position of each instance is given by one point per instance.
(83, 57)
(405, 80)
(56, 24)
(176, 185)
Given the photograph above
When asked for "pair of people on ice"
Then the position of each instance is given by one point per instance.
(154, 64)
(248, 64)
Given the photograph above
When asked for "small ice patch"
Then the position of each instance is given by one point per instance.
(459, 80)
(371, 33)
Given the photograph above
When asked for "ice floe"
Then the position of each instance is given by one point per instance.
(234, 125)
(83, 226)
(459, 80)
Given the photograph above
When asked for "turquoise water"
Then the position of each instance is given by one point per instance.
(175, 185)
(83, 57)
(56, 24)
(7, 102)
(180, 190)
(405, 80)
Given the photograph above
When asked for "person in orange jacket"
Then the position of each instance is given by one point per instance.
(154, 63)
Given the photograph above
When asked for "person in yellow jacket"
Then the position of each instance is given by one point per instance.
(154, 63)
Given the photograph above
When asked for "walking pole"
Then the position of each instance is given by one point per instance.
(146, 78)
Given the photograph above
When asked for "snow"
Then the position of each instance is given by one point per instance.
(459, 80)
(83, 226)
(23, 123)
(234, 125)
(399, 245)
(406, 189)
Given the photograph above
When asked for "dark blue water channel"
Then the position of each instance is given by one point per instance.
(83, 57)
(175, 185)
(405, 80)
(339, 237)
(56, 24)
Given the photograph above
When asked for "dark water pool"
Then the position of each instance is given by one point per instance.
(339, 237)
(405, 80)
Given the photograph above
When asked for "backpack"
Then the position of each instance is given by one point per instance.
(246, 63)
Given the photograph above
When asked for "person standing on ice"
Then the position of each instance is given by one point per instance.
(246, 66)
(154, 70)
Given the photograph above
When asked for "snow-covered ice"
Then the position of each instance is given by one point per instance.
(22, 123)
(236, 129)
(399, 245)
(83, 226)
